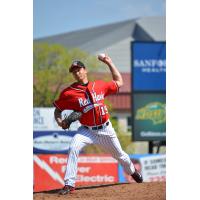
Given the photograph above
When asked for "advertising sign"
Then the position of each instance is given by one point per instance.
(52, 141)
(149, 117)
(152, 168)
(49, 171)
(43, 120)
(149, 66)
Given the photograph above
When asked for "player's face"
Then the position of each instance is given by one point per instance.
(80, 74)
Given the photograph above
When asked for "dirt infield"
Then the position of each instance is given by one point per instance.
(133, 191)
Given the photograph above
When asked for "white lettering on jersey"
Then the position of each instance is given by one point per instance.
(97, 97)
(83, 102)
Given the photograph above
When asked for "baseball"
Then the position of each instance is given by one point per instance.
(102, 55)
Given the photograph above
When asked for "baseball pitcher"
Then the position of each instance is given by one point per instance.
(86, 98)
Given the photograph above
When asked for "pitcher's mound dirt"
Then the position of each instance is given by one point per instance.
(133, 191)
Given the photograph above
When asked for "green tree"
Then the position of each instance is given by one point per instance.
(51, 70)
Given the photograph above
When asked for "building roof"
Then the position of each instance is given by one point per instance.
(154, 26)
(97, 38)
(93, 39)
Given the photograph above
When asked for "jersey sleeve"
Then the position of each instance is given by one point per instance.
(63, 102)
(111, 87)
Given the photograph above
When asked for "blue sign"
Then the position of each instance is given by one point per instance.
(149, 66)
(52, 141)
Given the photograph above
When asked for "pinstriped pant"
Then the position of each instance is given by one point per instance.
(107, 139)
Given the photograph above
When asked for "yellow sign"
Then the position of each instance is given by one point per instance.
(154, 111)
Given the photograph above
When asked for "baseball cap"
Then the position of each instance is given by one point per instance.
(76, 64)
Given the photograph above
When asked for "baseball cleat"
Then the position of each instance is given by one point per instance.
(66, 190)
(137, 177)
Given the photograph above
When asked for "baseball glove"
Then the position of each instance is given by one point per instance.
(71, 118)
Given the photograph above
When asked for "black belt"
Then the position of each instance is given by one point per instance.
(97, 127)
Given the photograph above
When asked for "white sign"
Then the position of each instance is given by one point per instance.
(54, 142)
(43, 120)
(153, 168)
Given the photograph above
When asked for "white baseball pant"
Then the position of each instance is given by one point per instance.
(106, 138)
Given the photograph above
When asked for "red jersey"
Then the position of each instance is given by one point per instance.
(89, 100)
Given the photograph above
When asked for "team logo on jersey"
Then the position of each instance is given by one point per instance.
(154, 111)
(96, 97)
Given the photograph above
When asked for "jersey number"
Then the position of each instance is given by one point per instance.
(104, 110)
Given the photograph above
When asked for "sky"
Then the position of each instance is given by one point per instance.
(51, 17)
